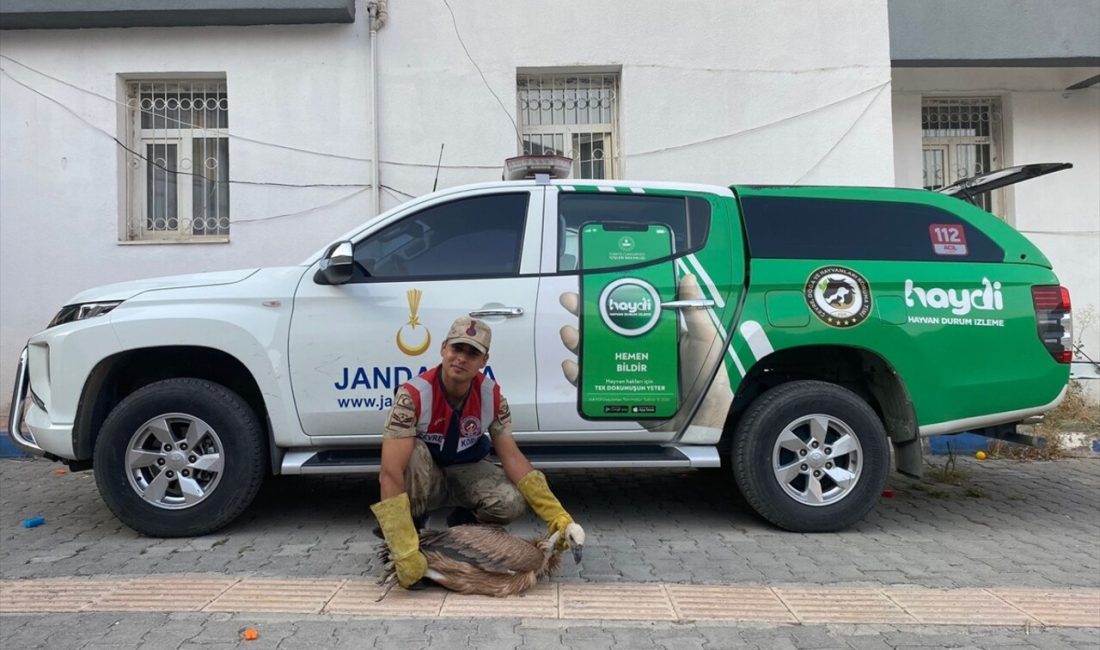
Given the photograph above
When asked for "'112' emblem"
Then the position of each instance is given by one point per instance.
(948, 239)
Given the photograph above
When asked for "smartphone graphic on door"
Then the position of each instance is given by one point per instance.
(629, 356)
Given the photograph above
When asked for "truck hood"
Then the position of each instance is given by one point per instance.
(127, 290)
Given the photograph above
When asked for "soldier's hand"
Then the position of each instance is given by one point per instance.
(411, 568)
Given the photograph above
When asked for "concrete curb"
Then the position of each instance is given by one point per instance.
(8, 448)
(1073, 442)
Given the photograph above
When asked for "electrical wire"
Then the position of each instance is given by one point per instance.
(235, 136)
(759, 127)
(844, 136)
(1071, 233)
(235, 220)
(162, 167)
(1081, 351)
(461, 42)
(398, 192)
(434, 165)
(769, 71)
(299, 213)
(181, 123)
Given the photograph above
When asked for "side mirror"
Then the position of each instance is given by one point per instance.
(337, 265)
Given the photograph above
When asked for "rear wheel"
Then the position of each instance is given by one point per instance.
(180, 457)
(810, 456)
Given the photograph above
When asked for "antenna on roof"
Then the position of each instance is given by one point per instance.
(437, 164)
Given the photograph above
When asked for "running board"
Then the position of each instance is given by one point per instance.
(367, 461)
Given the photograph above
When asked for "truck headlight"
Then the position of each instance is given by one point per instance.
(70, 313)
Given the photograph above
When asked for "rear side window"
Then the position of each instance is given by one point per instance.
(807, 228)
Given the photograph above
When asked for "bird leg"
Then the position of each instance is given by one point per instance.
(389, 585)
(552, 541)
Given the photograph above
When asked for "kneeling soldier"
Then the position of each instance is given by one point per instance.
(434, 449)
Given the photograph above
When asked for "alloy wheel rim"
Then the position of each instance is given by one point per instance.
(817, 460)
(174, 461)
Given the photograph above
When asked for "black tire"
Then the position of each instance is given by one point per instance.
(780, 500)
(237, 440)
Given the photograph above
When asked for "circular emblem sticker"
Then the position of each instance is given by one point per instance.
(630, 306)
(838, 296)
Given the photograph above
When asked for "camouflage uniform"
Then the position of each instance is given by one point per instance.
(480, 487)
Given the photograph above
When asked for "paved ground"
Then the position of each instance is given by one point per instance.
(221, 631)
(1009, 525)
(1037, 525)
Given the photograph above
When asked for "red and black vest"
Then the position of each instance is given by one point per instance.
(454, 436)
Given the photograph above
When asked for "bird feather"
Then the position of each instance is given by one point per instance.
(489, 548)
(479, 559)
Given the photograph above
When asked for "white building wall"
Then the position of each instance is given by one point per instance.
(908, 164)
(717, 92)
(1043, 122)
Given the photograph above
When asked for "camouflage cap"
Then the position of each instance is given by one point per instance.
(473, 332)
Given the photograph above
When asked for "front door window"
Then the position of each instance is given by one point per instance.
(480, 236)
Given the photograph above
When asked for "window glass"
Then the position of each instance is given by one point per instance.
(573, 115)
(178, 170)
(210, 187)
(961, 137)
(472, 237)
(808, 228)
(687, 217)
(161, 200)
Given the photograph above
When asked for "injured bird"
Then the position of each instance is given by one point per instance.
(486, 559)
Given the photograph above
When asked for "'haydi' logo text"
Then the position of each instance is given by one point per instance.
(625, 307)
(960, 301)
(630, 306)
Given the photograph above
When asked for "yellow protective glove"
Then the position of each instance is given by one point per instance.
(535, 490)
(395, 519)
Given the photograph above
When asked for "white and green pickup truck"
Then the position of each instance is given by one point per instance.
(795, 335)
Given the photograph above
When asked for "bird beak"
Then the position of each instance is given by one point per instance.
(578, 550)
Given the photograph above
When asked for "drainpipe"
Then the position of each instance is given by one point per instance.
(376, 13)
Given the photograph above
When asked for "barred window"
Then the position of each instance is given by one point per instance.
(178, 160)
(573, 115)
(961, 137)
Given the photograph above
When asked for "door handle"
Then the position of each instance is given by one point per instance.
(507, 312)
(687, 304)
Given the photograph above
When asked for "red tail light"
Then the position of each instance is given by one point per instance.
(1050, 297)
(1054, 318)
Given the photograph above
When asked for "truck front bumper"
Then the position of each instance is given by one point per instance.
(43, 437)
(26, 442)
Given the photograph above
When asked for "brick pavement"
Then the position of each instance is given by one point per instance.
(99, 631)
(1036, 525)
(1010, 525)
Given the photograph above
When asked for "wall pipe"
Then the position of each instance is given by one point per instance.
(376, 14)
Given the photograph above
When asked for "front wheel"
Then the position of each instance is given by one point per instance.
(180, 457)
(810, 456)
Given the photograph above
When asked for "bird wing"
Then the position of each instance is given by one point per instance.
(490, 548)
